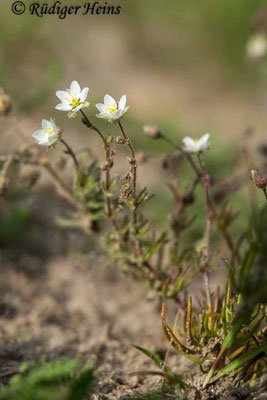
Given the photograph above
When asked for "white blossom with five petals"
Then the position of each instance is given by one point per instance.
(111, 110)
(48, 134)
(196, 145)
(73, 99)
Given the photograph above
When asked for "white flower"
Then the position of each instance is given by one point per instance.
(48, 134)
(196, 145)
(111, 110)
(257, 46)
(72, 99)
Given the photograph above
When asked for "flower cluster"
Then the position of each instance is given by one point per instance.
(72, 101)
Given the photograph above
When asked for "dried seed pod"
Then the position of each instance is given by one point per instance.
(121, 140)
(131, 160)
(258, 178)
(112, 151)
(106, 165)
(152, 131)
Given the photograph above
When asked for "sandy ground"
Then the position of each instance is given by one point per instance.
(58, 299)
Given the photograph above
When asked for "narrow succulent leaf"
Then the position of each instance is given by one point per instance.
(167, 372)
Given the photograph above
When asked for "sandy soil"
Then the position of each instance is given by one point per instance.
(58, 299)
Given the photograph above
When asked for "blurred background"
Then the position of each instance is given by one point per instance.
(190, 67)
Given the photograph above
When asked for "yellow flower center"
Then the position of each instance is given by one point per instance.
(111, 109)
(75, 102)
(196, 140)
(49, 131)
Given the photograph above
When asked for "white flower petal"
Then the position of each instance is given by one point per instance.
(116, 115)
(104, 115)
(203, 142)
(101, 107)
(84, 94)
(38, 134)
(63, 107)
(85, 104)
(109, 100)
(124, 111)
(75, 89)
(44, 124)
(189, 142)
(78, 108)
(52, 139)
(63, 96)
(41, 137)
(122, 102)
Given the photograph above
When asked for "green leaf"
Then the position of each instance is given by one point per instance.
(167, 372)
(240, 361)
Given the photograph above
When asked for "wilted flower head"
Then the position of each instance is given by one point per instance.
(196, 145)
(111, 110)
(73, 99)
(48, 134)
(152, 131)
(5, 103)
(258, 178)
(257, 46)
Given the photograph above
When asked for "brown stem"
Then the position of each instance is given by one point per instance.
(134, 177)
(107, 175)
(187, 155)
(71, 153)
(94, 128)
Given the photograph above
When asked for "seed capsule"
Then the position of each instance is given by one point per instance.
(258, 178)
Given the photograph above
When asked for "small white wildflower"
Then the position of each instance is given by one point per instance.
(73, 99)
(48, 134)
(257, 46)
(111, 110)
(196, 145)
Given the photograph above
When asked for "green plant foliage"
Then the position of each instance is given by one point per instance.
(55, 381)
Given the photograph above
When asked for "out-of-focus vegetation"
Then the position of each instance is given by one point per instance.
(55, 381)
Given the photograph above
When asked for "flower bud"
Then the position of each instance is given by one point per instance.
(109, 139)
(131, 160)
(120, 140)
(5, 103)
(152, 131)
(258, 178)
(106, 165)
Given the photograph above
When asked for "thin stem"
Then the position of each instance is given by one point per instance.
(71, 153)
(94, 128)
(207, 236)
(187, 155)
(44, 162)
(134, 165)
